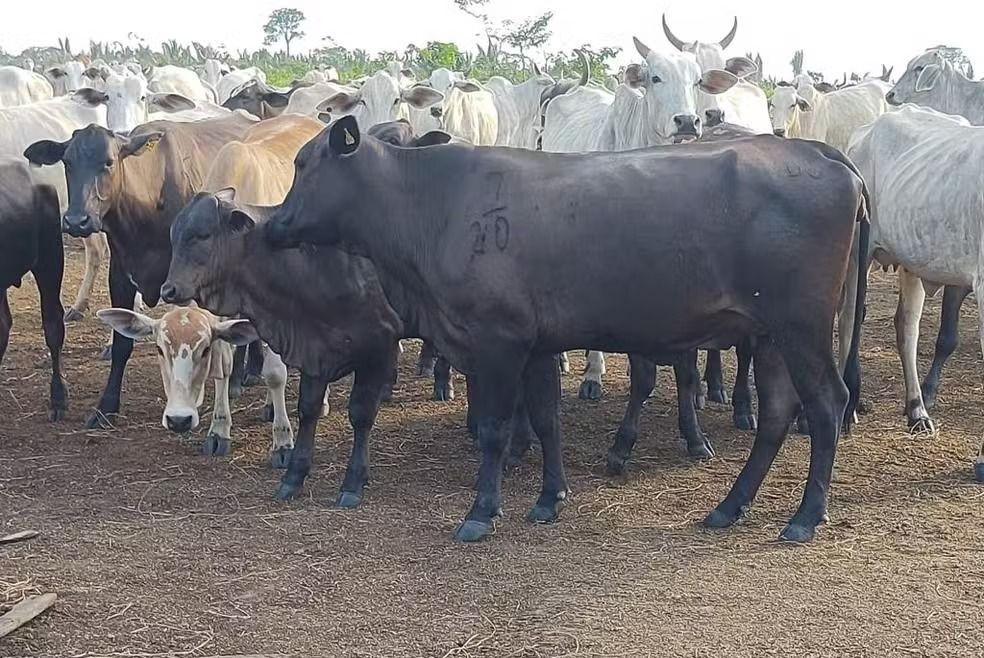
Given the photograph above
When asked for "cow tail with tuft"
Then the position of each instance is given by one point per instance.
(852, 371)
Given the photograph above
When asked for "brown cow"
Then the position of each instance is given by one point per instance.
(132, 187)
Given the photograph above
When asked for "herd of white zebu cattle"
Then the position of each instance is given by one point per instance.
(503, 224)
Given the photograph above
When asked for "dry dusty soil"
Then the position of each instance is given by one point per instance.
(154, 550)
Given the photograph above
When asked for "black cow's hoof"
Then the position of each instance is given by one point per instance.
(235, 390)
(472, 531)
(798, 534)
(107, 353)
(443, 393)
(721, 518)
(617, 464)
(251, 380)
(288, 490)
(98, 421)
(56, 414)
(280, 458)
(589, 390)
(802, 425)
(922, 426)
(267, 414)
(387, 396)
(745, 422)
(348, 500)
(701, 449)
(73, 315)
(979, 471)
(545, 511)
(717, 395)
(216, 446)
(864, 407)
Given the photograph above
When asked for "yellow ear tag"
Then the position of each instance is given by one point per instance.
(151, 146)
(349, 140)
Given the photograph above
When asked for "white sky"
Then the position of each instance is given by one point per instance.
(836, 35)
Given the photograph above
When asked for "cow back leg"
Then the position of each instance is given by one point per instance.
(471, 417)
(778, 403)
(741, 399)
(978, 286)
(541, 392)
(565, 363)
(714, 378)
(688, 386)
(238, 371)
(427, 359)
(522, 434)
(371, 380)
(493, 383)
(6, 322)
(912, 295)
(642, 378)
(591, 384)
(218, 440)
(255, 355)
(310, 397)
(121, 292)
(443, 386)
(96, 252)
(946, 340)
(275, 375)
(48, 277)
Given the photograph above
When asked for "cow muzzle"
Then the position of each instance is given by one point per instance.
(171, 293)
(891, 99)
(80, 226)
(180, 423)
(688, 128)
(779, 132)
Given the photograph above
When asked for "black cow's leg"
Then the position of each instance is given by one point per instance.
(6, 322)
(48, 276)
(427, 360)
(741, 399)
(714, 376)
(121, 293)
(471, 419)
(493, 403)
(238, 372)
(777, 405)
(254, 364)
(443, 384)
(310, 400)
(946, 341)
(688, 383)
(541, 390)
(364, 401)
(522, 434)
(642, 377)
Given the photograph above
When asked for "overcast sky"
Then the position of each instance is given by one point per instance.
(836, 35)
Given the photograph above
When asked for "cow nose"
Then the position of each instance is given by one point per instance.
(169, 293)
(78, 226)
(890, 97)
(179, 423)
(687, 124)
(780, 132)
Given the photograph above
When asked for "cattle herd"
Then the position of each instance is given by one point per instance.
(677, 209)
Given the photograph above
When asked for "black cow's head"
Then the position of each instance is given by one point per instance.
(258, 99)
(92, 159)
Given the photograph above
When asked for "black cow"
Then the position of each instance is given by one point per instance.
(259, 99)
(695, 245)
(31, 241)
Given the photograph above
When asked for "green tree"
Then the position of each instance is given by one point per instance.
(531, 33)
(283, 24)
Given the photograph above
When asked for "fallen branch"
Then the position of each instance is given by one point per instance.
(24, 612)
(24, 535)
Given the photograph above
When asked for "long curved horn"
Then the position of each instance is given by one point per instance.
(672, 38)
(586, 69)
(726, 41)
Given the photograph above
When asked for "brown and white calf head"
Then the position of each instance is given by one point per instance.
(193, 346)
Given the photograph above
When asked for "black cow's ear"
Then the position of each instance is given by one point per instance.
(276, 98)
(240, 221)
(139, 144)
(343, 136)
(45, 152)
(433, 138)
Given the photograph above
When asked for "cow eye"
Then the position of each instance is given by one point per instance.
(396, 102)
(918, 69)
(657, 79)
(208, 348)
(160, 352)
(109, 164)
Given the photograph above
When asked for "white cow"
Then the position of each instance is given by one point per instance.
(193, 346)
(66, 78)
(832, 118)
(56, 119)
(383, 97)
(314, 76)
(232, 81)
(745, 104)
(923, 171)
(305, 100)
(20, 87)
(213, 71)
(518, 109)
(932, 81)
(468, 111)
(178, 80)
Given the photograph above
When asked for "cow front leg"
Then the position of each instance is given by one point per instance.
(121, 292)
(912, 295)
(48, 277)
(522, 435)
(978, 286)
(255, 354)
(565, 363)
(96, 251)
(443, 384)
(946, 340)
(593, 373)
(238, 371)
(714, 378)
(6, 323)
(427, 360)
(688, 384)
(310, 397)
(741, 399)
(541, 390)
(642, 373)
(274, 373)
(218, 441)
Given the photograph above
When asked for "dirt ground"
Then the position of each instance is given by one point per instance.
(154, 550)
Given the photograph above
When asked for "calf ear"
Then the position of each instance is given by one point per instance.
(340, 103)
(45, 152)
(160, 102)
(343, 136)
(90, 97)
(419, 96)
(240, 221)
(55, 72)
(139, 144)
(467, 86)
(717, 81)
(803, 104)
(236, 332)
(928, 77)
(433, 138)
(740, 66)
(131, 324)
(226, 195)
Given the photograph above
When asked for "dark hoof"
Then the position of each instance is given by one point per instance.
(802, 425)
(589, 390)
(288, 490)
(745, 422)
(864, 407)
(216, 446)
(73, 315)
(235, 390)
(387, 396)
(267, 414)
(799, 534)
(280, 458)
(348, 500)
(701, 449)
(107, 353)
(425, 369)
(545, 512)
(979, 471)
(718, 396)
(443, 393)
(616, 463)
(250, 381)
(720, 518)
(472, 531)
(922, 426)
(56, 414)
(98, 421)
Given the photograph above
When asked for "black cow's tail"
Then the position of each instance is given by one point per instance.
(852, 370)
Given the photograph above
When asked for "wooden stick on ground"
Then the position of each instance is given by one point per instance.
(19, 536)
(24, 612)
